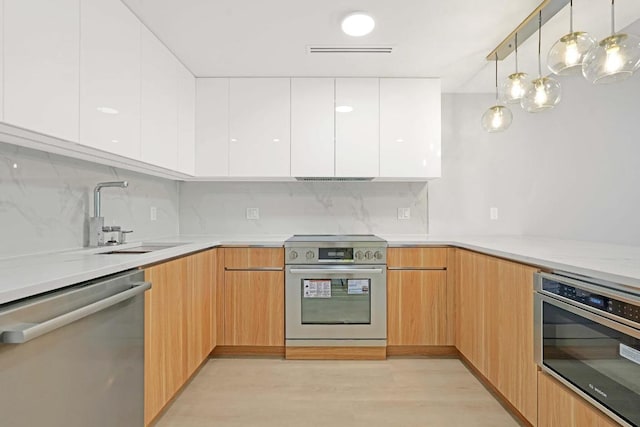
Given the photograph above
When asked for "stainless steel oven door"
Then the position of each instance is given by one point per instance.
(597, 357)
(336, 302)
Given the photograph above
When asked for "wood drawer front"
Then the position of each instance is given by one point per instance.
(248, 258)
(417, 258)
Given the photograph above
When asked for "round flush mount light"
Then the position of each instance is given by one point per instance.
(358, 24)
(344, 108)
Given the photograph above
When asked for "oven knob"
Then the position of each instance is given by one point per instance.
(310, 255)
(293, 255)
(378, 255)
(359, 255)
(368, 255)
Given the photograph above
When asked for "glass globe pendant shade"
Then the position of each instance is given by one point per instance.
(542, 94)
(514, 87)
(497, 119)
(568, 53)
(612, 60)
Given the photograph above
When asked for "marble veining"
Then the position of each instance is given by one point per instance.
(302, 207)
(46, 200)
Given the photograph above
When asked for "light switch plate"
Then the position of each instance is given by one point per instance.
(404, 213)
(153, 213)
(493, 214)
(253, 213)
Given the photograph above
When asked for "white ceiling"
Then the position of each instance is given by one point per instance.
(431, 38)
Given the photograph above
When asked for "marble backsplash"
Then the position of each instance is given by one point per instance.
(46, 200)
(302, 207)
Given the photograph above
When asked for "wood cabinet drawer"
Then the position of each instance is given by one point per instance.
(417, 258)
(253, 258)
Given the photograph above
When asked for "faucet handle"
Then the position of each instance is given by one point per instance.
(122, 236)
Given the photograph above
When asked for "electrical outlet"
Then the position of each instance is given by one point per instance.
(253, 213)
(404, 213)
(493, 213)
(153, 213)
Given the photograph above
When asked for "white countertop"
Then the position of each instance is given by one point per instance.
(21, 277)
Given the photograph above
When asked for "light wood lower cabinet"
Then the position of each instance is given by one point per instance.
(179, 319)
(560, 407)
(494, 300)
(419, 300)
(252, 300)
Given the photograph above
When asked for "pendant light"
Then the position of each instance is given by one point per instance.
(498, 117)
(568, 53)
(544, 92)
(516, 84)
(614, 59)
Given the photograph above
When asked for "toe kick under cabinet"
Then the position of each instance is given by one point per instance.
(420, 301)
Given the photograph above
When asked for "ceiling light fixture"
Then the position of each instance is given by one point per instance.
(516, 84)
(498, 117)
(614, 59)
(358, 24)
(344, 108)
(568, 53)
(544, 92)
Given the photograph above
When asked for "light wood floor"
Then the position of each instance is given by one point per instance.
(282, 393)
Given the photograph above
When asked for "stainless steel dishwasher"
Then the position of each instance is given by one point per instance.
(75, 357)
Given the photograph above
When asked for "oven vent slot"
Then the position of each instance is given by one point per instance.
(350, 49)
(332, 179)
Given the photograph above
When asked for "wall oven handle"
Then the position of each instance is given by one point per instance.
(28, 331)
(336, 270)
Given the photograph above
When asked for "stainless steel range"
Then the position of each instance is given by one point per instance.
(336, 290)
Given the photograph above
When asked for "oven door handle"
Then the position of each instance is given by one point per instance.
(336, 270)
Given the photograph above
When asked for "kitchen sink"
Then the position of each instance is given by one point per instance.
(142, 249)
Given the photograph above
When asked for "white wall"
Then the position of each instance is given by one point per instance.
(46, 200)
(302, 207)
(572, 172)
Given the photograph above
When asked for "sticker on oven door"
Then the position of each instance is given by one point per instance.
(357, 286)
(630, 353)
(316, 289)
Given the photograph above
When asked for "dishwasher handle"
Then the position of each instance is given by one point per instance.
(29, 331)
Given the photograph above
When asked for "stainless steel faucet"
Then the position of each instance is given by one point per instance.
(96, 223)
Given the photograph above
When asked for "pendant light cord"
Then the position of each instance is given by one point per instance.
(540, 43)
(496, 77)
(571, 17)
(516, 53)
(613, 18)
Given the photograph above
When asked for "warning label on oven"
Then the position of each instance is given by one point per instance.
(630, 353)
(316, 289)
(357, 286)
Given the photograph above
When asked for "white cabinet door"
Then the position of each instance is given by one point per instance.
(186, 120)
(259, 127)
(110, 77)
(410, 128)
(41, 66)
(212, 127)
(159, 106)
(357, 130)
(312, 127)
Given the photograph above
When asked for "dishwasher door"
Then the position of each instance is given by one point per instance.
(75, 357)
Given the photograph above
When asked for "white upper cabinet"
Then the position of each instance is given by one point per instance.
(186, 120)
(159, 106)
(110, 77)
(410, 128)
(312, 127)
(212, 127)
(259, 127)
(41, 66)
(357, 127)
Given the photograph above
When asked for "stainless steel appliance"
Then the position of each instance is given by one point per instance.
(588, 336)
(75, 357)
(336, 290)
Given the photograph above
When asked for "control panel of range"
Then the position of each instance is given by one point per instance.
(337, 255)
(600, 302)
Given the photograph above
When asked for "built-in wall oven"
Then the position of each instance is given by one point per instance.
(335, 290)
(588, 336)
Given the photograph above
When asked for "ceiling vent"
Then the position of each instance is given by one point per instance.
(349, 49)
(333, 179)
